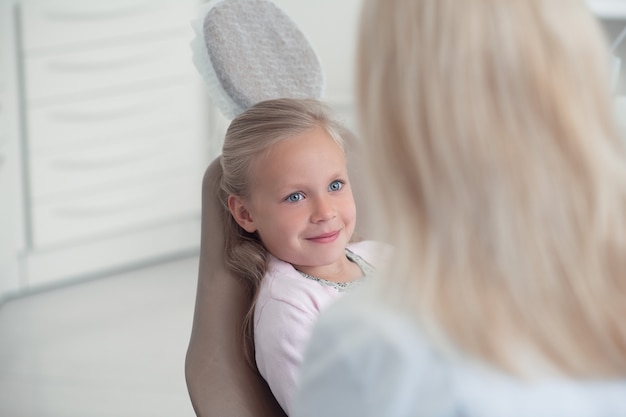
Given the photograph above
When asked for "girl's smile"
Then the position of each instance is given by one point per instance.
(325, 238)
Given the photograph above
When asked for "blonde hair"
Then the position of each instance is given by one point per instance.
(500, 178)
(249, 136)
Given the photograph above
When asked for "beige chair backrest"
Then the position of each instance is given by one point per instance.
(219, 380)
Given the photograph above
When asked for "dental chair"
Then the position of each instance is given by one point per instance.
(279, 62)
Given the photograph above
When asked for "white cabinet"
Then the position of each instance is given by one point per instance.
(12, 226)
(115, 135)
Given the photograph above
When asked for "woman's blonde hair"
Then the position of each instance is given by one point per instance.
(250, 135)
(500, 178)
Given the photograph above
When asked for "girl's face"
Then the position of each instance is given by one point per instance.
(301, 203)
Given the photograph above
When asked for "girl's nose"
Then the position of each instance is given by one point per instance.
(323, 210)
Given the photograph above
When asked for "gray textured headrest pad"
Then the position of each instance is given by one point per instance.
(258, 53)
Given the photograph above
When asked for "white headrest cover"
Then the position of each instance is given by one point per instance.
(249, 51)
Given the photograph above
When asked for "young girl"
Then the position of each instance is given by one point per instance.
(501, 184)
(290, 217)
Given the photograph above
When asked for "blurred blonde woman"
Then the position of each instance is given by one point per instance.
(500, 179)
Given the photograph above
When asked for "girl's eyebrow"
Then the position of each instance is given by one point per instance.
(287, 184)
(341, 173)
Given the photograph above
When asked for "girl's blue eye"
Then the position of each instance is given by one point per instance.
(295, 197)
(335, 185)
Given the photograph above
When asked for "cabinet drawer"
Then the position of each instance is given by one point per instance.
(101, 69)
(103, 118)
(64, 175)
(53, 23)
(130, 208)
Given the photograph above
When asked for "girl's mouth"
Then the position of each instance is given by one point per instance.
(325, 237)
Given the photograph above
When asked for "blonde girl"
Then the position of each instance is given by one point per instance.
(289, 218)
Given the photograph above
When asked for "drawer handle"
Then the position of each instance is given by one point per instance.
(104, 210)
(105, 65)
(101, 14)
(104, 162)
(94, 116)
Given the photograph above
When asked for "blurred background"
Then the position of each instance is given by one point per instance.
(105, 132)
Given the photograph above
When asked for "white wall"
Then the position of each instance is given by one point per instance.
(330, 26)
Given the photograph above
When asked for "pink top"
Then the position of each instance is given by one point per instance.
(287, 307)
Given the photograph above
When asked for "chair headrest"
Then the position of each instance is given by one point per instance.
(249, 51)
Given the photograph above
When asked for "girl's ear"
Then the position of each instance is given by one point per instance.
(240, 213)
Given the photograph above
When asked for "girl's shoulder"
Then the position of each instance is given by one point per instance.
(283, 283)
